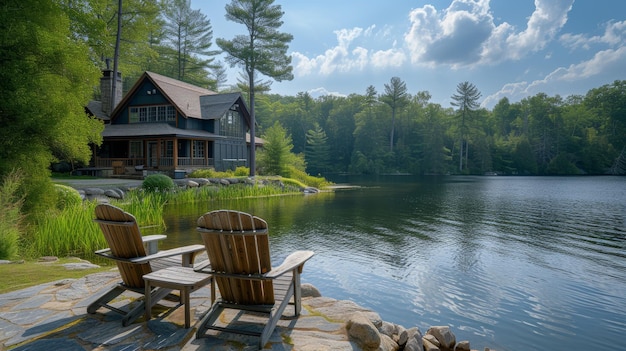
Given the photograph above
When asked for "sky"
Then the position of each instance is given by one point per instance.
(506, 48)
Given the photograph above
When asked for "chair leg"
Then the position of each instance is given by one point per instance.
(210, 318)
(104, 299)
(274, 316)
(155, 296)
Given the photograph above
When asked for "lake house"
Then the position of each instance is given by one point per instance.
(169, 126)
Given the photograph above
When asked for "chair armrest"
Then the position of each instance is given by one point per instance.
(188, 252)
(293, 261)
(203, 267)
(151, 242)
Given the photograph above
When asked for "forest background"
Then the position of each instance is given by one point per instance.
(64, 44)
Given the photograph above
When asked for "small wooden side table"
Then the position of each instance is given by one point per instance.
(184, 279)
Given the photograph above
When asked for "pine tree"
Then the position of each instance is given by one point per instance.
(263, 50)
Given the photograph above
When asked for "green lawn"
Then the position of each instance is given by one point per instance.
(16, 276)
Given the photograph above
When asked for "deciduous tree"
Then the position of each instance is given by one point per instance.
(46, 81)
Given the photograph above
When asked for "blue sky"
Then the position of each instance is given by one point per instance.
(507, 48)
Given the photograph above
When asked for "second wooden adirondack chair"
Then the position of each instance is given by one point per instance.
(237, 244)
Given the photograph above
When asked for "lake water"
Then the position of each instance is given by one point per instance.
(510, 263)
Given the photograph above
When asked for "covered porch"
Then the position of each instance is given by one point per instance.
(133, 156)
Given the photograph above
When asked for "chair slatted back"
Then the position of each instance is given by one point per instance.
(237, 243)
(123, 236)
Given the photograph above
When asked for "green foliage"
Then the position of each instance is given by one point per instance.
(276, 156)
(188, 33)
(47, 79)
(69, 231)
(307, 180)
(264, 49)
(95, 23)
(66, 196)
(242, 171)
(317, 152)
(157, 183)
(211, 173)
(10, 216)
(72, 231)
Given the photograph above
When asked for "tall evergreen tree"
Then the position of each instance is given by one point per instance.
(276, 155)
(189, 33)
(466, 99)
(396, 97)
(317, 152)
(263, 50)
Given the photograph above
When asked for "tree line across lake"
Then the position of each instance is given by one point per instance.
(381, 133)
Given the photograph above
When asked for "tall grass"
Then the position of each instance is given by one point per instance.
(233, 191)
(72, 231)
(10, 216)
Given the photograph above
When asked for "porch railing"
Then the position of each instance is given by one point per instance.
(161, 163)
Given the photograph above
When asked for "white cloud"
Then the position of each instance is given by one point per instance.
(465, 34)
(600, 68)
(341, 58)
(614, 34)
(317, 92)
(388, 58)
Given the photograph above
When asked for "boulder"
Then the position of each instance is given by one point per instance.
(387, 344)
(462, 346)
(446, 338)
(408, 334)
(388, 329)
(113, 194)
(202, 181)
(432, 339)
(414, 343)
(94, 191)
(363, 332)
(308, 290)
(428, 346)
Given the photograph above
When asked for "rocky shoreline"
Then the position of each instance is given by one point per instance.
(100, 192)
(53, 315)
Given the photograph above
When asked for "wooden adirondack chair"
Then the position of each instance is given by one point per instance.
(237, 244)
(128, 249)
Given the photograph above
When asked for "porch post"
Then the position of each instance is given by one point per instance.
(175, 151)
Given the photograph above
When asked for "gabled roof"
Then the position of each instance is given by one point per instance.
(214, 106)
(184, 96)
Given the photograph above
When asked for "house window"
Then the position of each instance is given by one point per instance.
(231, 124)
(198, 148)
(167, 148)
(151, 114)
(136, 149)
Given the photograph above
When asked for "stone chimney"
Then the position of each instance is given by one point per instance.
(106, 87)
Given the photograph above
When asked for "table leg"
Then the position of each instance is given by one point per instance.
(148, 303)
(185, 295)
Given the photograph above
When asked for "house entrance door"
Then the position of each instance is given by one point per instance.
(153, 155)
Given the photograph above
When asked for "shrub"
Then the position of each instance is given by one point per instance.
(66, 196)
(242, 171)
(157, 182)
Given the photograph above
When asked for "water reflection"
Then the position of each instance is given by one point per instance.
(510, 263)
